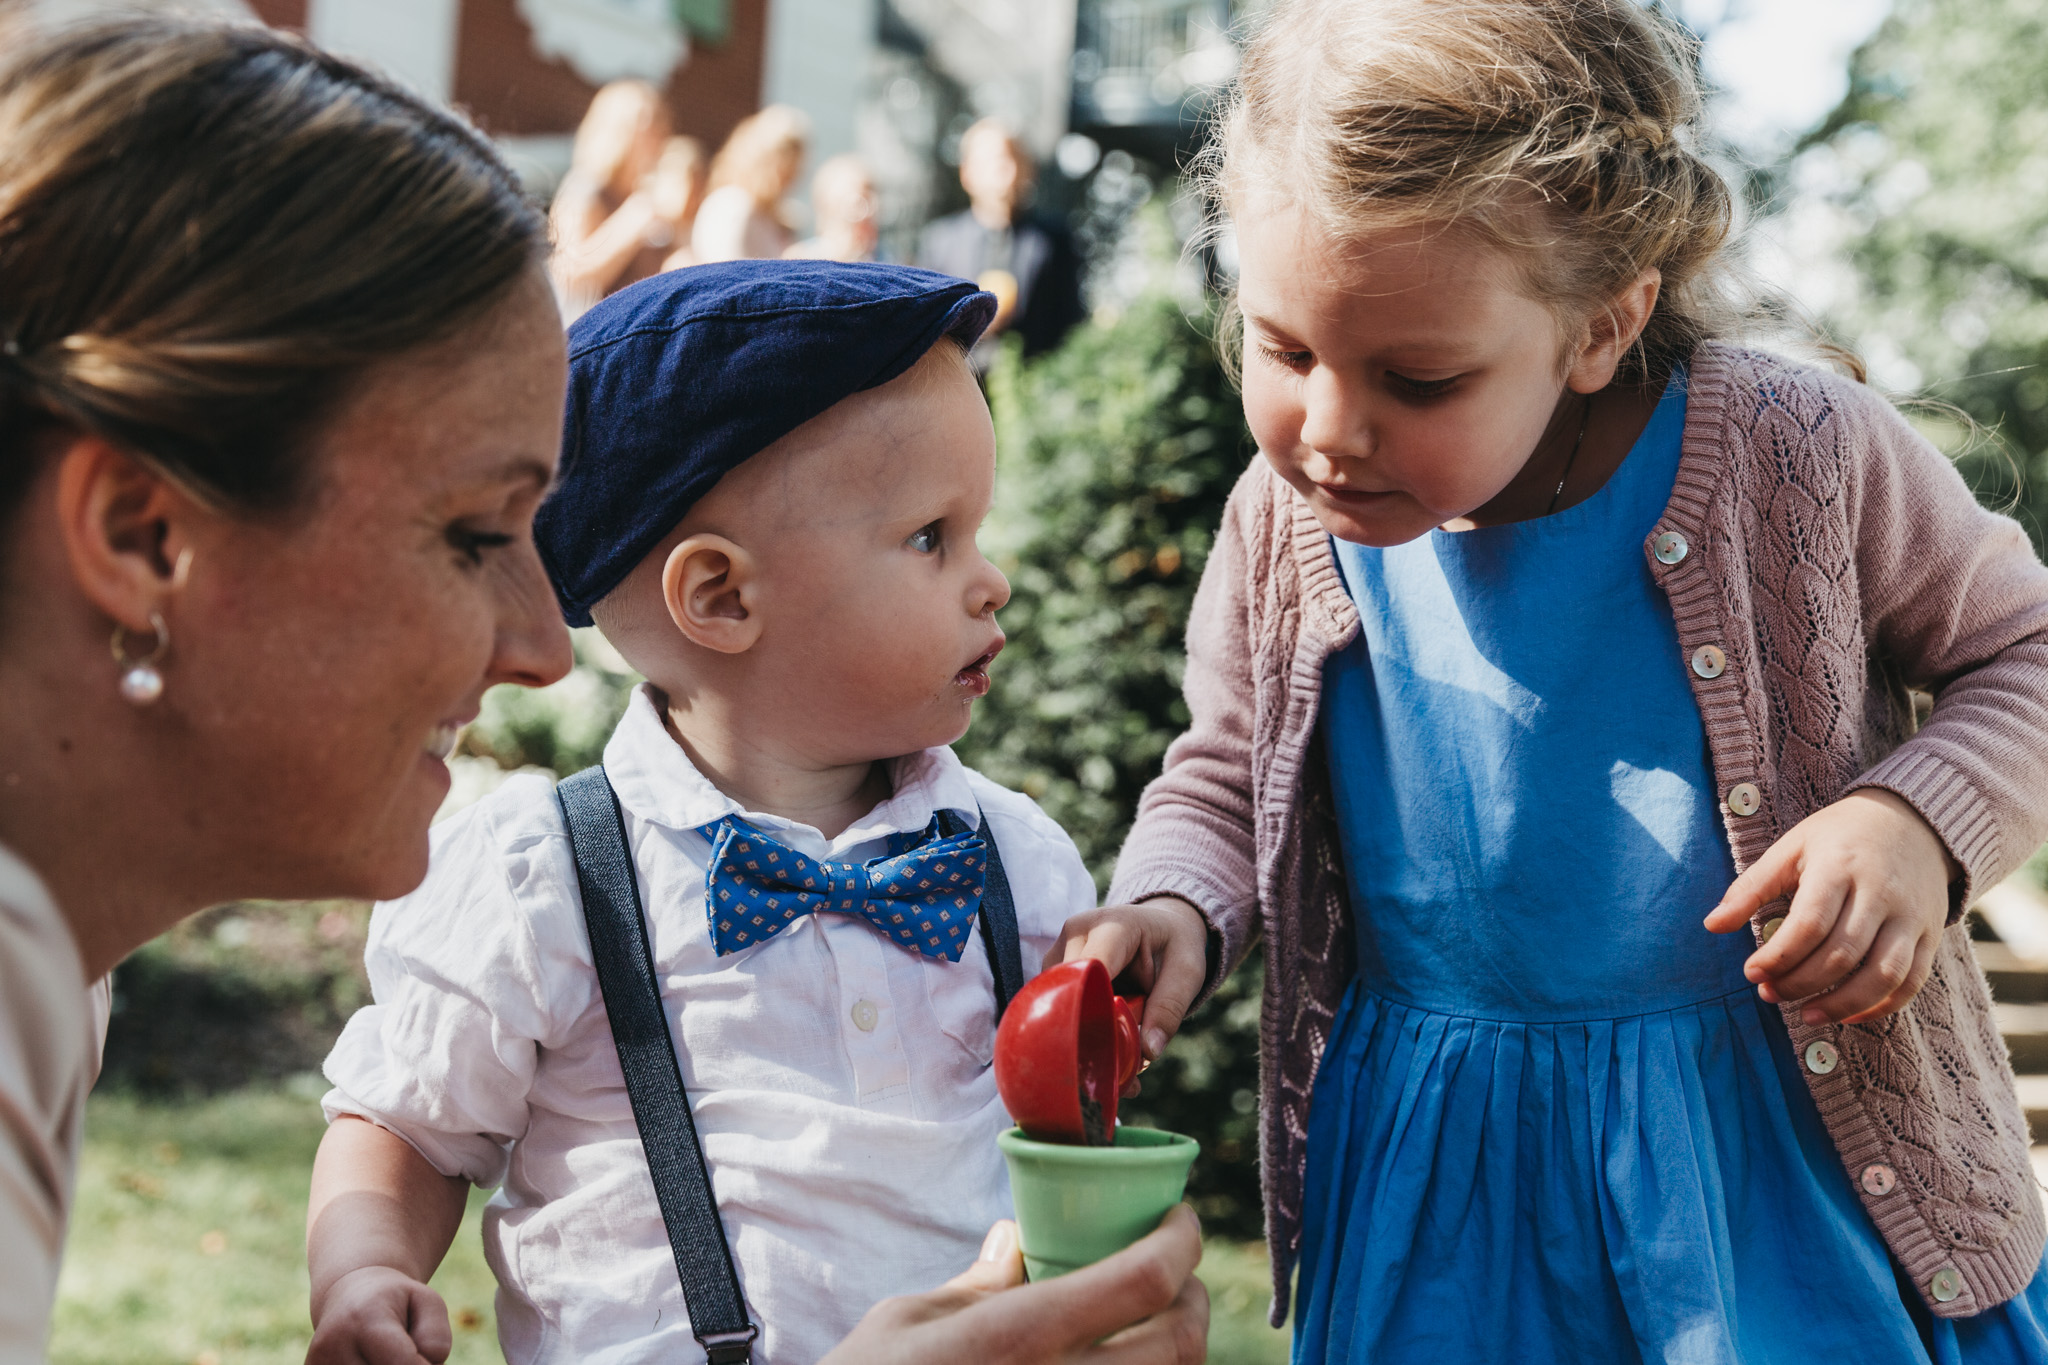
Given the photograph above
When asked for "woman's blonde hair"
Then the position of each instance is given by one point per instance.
(1562, 132)
(762, 153)
(618, 117)
(209, 231)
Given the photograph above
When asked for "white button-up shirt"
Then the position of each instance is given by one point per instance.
(841, 1085)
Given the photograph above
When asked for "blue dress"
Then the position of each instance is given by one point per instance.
(1554, 1123)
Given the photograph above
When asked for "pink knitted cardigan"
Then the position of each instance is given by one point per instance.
(1837, 559)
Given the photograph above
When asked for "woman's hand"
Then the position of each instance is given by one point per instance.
(1142, 1306)
(1869, 883)
(1161, 943)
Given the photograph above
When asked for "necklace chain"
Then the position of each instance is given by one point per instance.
(1584, 413)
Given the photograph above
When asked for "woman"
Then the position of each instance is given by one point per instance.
(750, 177)
(628, 198)
(280, 389)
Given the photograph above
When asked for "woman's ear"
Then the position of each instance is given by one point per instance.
(128, 532)
(1612, 330)
(711, 587)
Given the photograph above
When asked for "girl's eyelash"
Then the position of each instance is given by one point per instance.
(1291, 359)
(471, 544)
(1422, 388)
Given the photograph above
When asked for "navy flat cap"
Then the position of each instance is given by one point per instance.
(678, 379)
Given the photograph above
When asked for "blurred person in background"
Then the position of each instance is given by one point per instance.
(624, 204)
(1027, 260)
(753, 173)
(289, 473)
(843, 204)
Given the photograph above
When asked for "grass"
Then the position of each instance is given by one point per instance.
(187, 1243)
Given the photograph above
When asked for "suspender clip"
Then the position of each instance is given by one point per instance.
(730, 1348)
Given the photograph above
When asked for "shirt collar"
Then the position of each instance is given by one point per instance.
(656, 781)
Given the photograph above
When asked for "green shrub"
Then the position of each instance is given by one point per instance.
(1115, 456)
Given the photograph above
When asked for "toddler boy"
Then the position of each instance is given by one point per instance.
(772, 477)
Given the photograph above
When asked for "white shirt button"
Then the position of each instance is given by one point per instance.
(1670, 547)
(1946, 1284)
(1709, 662)
(864, 1015)
(1821, 1057)
(1879, 1179)
(1770, 929)
(1745, 799)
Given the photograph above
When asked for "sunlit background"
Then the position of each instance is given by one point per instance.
(1893, 160)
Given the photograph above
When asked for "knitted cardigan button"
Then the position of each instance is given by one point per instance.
(1708, 661)
(1946, 1284)
(1770, 929)
(1745, 799)
(1670, 547)
(1821, 1057)
(1879, 1179)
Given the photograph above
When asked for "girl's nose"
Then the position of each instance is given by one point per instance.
(1334, 418)
(532, 645)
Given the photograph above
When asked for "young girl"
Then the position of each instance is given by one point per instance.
(1546, 614)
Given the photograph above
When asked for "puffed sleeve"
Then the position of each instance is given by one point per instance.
(463, 994)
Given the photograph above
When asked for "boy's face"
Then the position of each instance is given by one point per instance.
(877, 609)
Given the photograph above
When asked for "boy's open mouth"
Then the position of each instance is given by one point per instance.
(974, 677)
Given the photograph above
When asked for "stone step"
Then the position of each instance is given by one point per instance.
(2014, 980)
(2034, 1099)
(2026, 1036)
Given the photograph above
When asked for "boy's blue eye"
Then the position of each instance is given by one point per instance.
(926, 539)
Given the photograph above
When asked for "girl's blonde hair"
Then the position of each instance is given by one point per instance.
(763, 153)
(1563, 132)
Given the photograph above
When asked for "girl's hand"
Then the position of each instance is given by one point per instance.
(1162, 944)
(1869, 883)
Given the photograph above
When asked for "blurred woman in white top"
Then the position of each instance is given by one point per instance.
(742, 218)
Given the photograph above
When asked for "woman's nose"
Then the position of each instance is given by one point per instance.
(532, 645)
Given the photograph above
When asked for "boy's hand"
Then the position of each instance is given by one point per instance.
(380, 1316)
(1162, 944)
(1869, 881)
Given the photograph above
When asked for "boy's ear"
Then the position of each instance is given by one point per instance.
(710, 586)
(1612, 330)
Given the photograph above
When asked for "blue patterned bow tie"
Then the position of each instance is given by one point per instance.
(923, 899)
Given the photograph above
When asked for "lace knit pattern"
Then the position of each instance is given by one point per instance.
(1835, 558)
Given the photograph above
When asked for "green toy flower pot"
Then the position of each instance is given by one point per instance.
(1076, 1205)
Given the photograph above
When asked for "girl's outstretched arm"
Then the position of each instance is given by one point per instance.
(1956, 596)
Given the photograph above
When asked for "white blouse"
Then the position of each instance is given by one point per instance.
(51, 1028)
(841, 1084)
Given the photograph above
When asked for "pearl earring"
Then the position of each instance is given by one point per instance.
(141, 681)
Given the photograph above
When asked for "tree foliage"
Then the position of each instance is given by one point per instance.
(1940, 159)
(1115, 456)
